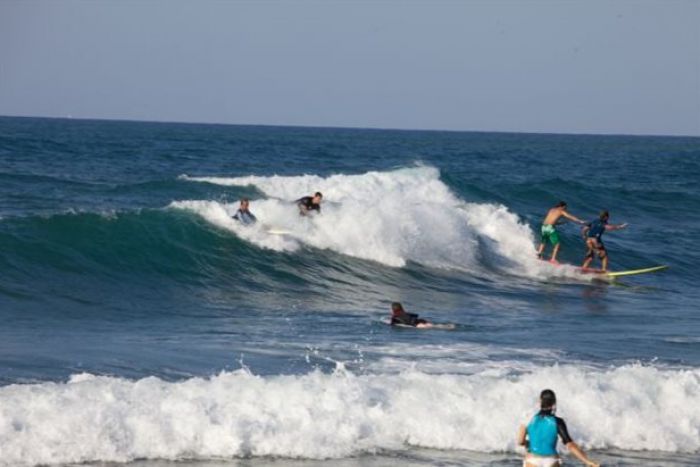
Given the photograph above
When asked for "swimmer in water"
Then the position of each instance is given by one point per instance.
(540, 436)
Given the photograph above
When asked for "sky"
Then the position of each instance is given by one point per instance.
(593, 66)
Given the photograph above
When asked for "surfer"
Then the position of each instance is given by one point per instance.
(310, 203)
(400, 316)
(539, 437)
(549, 231)
(243, 215)
(592, 232)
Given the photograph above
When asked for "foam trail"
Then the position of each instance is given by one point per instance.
(389, 217)
(337, 415)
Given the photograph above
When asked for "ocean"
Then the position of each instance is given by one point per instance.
(142, 325)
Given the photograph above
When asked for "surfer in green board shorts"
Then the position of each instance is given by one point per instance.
(549, 229)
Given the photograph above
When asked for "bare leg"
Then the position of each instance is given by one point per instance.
(540, 250)
(555, 251)
(604, 262)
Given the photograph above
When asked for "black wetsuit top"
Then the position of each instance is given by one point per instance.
(596, 229)
(308, 203)
(408, 319)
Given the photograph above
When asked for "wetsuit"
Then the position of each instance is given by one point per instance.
(542, 432)
(596, 229)
(407, 319)
(308, 203)
(245, 217)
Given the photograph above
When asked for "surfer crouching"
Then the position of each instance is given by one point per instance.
(307, 204)
(243, 215)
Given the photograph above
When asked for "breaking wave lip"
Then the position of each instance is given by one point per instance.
(339, 414)
(390, 217)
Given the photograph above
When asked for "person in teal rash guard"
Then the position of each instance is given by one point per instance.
(540, 436)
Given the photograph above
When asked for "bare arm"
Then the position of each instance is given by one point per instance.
(571, 217)
(616, 226)
(585, 230)
(580, 455)
(522, 436)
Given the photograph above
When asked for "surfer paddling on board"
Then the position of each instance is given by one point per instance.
(549, 229)
(310, 203)
(400, 316)
(243, 215)
(593, 233)
(539, 437)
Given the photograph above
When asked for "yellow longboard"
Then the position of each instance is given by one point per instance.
(633, 272)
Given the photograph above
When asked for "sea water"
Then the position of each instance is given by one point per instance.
(142, 325)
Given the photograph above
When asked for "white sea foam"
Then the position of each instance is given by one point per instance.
(320, 415)
(389, 217)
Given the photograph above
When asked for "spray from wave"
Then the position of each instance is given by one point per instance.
(389, 217)
(317, 415)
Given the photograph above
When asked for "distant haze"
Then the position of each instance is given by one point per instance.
(629, 67)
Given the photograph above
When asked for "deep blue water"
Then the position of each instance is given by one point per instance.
(118, 259)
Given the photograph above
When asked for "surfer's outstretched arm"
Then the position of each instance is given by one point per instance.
(571, 217)
(616, 226)
(580, 455)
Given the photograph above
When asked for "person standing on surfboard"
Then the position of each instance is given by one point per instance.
(243, 215)
(539, 437)
(310, 203)
(593, 233)
(549, 229)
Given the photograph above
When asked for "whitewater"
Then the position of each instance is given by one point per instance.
(389, 217)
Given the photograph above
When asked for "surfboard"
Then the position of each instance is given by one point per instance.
(443, 326)
(631, 272)
(274, 231)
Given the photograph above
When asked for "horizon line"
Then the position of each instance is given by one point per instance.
(334, 127)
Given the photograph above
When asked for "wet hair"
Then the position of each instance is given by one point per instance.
(318, 193)
(547, 399)
(245, 200)
(560, 204)
(604, 215)
(396, 307)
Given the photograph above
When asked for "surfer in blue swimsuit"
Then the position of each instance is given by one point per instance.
(593, 233)
(243, 215)
(539, 437)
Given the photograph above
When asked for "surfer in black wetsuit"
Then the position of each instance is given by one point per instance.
(593, 232)
(243, 215)
(310, 203)
(400, 316)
